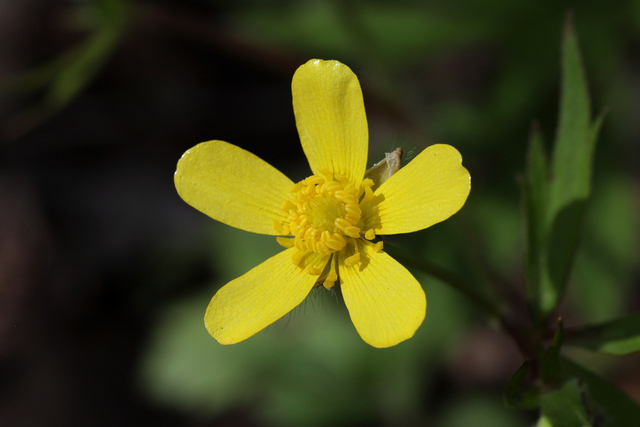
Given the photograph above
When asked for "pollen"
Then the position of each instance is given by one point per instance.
(324, 216)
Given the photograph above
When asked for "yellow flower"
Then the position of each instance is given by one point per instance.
(329, 222)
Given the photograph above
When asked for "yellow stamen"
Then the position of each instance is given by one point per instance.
(314, 271)
(324, 216)
(286, 242)
(353, 259)
(332, 277)
(297, 258)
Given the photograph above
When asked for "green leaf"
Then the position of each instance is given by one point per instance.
(618, 409)
(534, 191)
(569, 406)
(519, 394)
(570, 184)
(617, 337)
(549, 367)
(573, 151)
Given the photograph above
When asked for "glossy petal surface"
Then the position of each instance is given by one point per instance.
(331, 120)
(430, 189)
(256, 299)
(385, 302)
(232, 186)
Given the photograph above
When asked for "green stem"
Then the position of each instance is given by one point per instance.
(450, 278)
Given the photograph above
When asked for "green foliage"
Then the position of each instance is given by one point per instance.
(549, 369)
(556, 196)
(614, 408)
(569, 406)
(616, 337)
(607, 261)
(535, 195)
(519, 393)
(484, 409)
(524, 389)
(352, 28)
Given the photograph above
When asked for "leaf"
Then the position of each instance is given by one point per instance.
(617, 408)
(573, 146)
(617, 337)
(534, 192)
(518, 394)
(549, 366)
(569, 406)
(570, 184)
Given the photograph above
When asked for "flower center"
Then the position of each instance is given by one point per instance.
(324, 221)
(322, 214)
(323, 211)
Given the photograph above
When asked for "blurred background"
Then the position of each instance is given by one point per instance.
(105, 274)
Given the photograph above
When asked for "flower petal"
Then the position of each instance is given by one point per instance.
(232, 186)
(258, 298)
(430, 189)
(330, 116)
(386, 303)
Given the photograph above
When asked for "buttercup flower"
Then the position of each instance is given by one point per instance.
(329, 223)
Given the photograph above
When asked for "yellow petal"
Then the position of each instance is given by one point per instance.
(330, 116)
(256, 299)
(386, 303)
(232, 186)
(430, 189)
